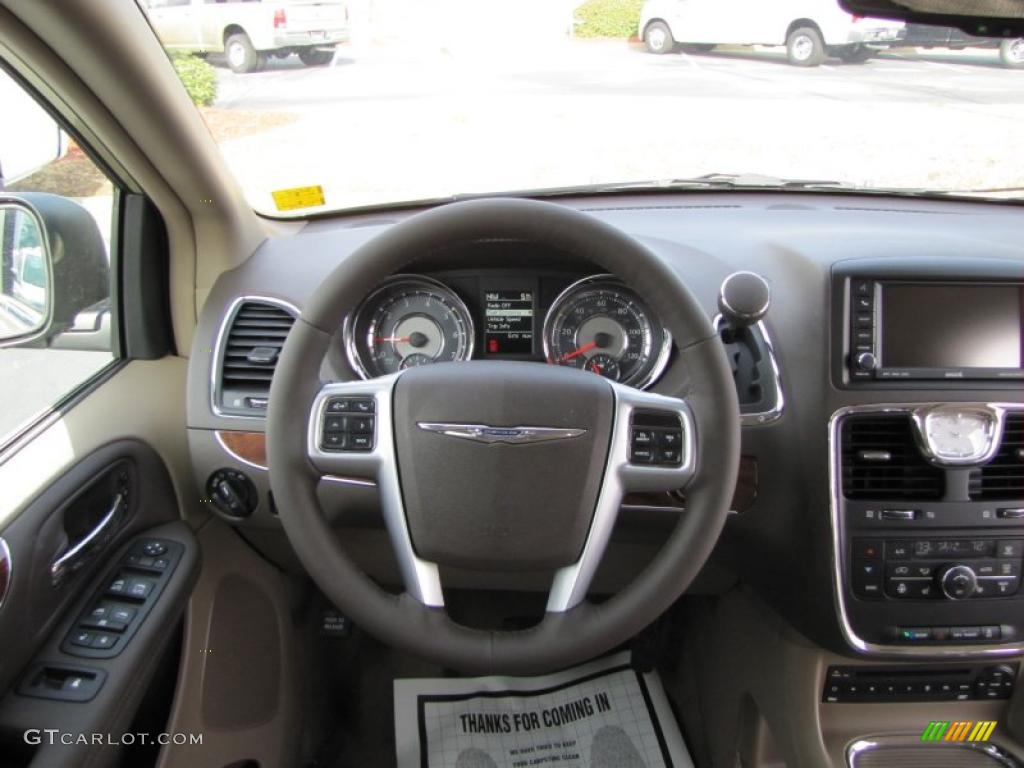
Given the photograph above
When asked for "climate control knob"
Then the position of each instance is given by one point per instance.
(958, 582)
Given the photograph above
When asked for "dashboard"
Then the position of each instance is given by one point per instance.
(893, 320)
(594, 323)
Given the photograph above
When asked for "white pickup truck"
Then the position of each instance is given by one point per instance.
(811, 30)
(248, 32)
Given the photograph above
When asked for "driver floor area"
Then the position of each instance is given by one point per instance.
(347, 694)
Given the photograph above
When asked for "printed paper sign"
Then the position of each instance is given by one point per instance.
(602, 715)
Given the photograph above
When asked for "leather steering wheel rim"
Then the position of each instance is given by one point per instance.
(700, 375)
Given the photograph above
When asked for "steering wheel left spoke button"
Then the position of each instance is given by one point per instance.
(348, 424)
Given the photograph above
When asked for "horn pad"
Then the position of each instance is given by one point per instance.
(501, 499)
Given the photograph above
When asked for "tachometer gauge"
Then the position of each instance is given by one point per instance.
(409, 321)
(600, 325)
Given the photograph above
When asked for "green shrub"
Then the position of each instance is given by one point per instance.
(608, 18)
(198, 77)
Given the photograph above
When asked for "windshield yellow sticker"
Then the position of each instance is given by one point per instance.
(298, 197)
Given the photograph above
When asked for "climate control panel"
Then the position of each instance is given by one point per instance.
(944, 569)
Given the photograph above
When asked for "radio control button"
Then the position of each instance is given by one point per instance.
(866, 361)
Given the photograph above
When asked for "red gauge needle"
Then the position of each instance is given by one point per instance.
(395, 339)
(578, 352)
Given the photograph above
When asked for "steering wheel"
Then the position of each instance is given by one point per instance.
(510, 466)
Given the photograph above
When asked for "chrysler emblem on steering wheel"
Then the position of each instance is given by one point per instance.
(482, 433)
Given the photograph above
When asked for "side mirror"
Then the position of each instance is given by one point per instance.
(53, 265)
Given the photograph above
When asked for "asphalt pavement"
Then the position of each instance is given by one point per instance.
(384, 124)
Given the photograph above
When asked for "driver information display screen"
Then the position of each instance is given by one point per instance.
(951, 326)
(508, 322)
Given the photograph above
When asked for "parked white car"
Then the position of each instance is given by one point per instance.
(811, 30)
(247, 32)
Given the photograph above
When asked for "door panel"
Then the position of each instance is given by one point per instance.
(124, 442)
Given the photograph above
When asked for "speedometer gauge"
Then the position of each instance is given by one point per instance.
(409, 321)
(600, 325)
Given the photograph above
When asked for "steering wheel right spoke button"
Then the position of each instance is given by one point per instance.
(348, 424)
(656, 437)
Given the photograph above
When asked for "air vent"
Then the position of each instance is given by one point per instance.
(254, 341)
(1002, 479)
(881, 461)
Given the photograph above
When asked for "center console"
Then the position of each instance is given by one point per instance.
(927, 498)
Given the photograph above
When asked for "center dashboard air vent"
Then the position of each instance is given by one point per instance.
(881, 460)
(255, 334)
(1002, 478)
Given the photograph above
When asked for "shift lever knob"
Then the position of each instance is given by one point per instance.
(744, 299)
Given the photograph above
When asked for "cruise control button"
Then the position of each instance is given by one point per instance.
(669, 456)
(641, 455)
(670, 438)
(643, 436)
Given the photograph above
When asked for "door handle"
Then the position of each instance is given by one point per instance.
(79, 553)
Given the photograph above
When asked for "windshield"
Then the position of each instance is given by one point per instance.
(329, 105)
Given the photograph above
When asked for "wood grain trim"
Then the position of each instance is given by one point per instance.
(743, 497)
(250, 447)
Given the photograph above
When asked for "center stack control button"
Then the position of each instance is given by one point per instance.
(958, 582)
